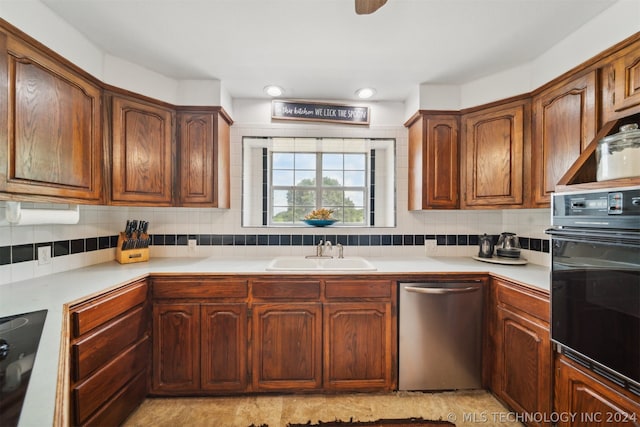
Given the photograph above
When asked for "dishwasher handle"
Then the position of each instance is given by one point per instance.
(441, 291)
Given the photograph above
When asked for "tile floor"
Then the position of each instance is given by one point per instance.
(463, 408)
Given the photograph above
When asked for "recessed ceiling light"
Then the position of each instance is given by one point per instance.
(365, 93)
(273, 90)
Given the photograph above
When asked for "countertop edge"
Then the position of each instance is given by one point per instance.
(47, 402)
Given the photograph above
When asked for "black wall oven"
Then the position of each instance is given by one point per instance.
(595, 281)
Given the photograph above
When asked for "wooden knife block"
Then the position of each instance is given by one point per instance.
(129, 256)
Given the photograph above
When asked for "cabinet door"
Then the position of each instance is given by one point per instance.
(54, 144)
(523, 363)
(197, 167)
(142, 153)
(287, 345)
(493, 165)
(176, 347)
(433, 162)
(223, 351)
(357, 346)
(565, 121)
(621, 87)
(203, 164)
(591, 400)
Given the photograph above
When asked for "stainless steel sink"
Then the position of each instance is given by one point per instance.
(298, 263)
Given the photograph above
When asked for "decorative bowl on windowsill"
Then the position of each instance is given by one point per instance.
(319, 217)
(319, 222)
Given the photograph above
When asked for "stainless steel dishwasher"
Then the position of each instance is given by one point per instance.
(440, 335)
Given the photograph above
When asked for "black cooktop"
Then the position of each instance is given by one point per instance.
(19, 338)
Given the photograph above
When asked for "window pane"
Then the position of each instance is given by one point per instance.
(281, 198)
(282, 160)
(354, 198)
(354, 161)
(306, 161)
(305, 178)
(331, 178)
(331, 198)
(282, 215)
(305, 198)
(283, 178)
(354, 178)
(354, 215)
(332, 161)
(301, 212)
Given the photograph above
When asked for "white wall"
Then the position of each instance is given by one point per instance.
(42, 24)
(615, 24)
(35, 19)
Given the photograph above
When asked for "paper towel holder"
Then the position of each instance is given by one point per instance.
(15, 215)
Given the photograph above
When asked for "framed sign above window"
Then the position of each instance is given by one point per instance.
(319, 112)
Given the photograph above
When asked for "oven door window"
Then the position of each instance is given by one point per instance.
(595, 307)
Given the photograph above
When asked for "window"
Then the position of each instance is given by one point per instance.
(286, 178)
(302, 182)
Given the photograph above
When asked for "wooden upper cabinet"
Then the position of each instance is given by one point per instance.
(142, 153)
(492, 161)
(203, 163)
(433, 161)
(565, 121)
(50, 129)
(621, 83)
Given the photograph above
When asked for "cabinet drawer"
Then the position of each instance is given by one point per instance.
(380, 289)
(98, 388)
(167, 288)
(93, 314)
(93, 351)
(529, 303)
(290, 289)
(120, 406)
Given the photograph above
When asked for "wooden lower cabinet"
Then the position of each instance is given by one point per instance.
(269, 334)
(590, 400)
(176, 347)
(223, 347)
(519, 340)
(199, 347)
(287, 346)
(110, 349)
(357, 346)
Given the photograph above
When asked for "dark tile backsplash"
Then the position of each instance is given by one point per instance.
(29, 252)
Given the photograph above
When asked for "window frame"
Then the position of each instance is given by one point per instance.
(319, 188)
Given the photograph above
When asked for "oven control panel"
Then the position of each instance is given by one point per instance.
(613, 208)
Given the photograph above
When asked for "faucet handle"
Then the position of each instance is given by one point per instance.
(340, 250)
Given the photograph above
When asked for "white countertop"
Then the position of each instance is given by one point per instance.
(53, 291)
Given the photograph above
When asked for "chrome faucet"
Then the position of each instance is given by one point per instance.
(340, 250)
(321, 247)
(327, 248)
